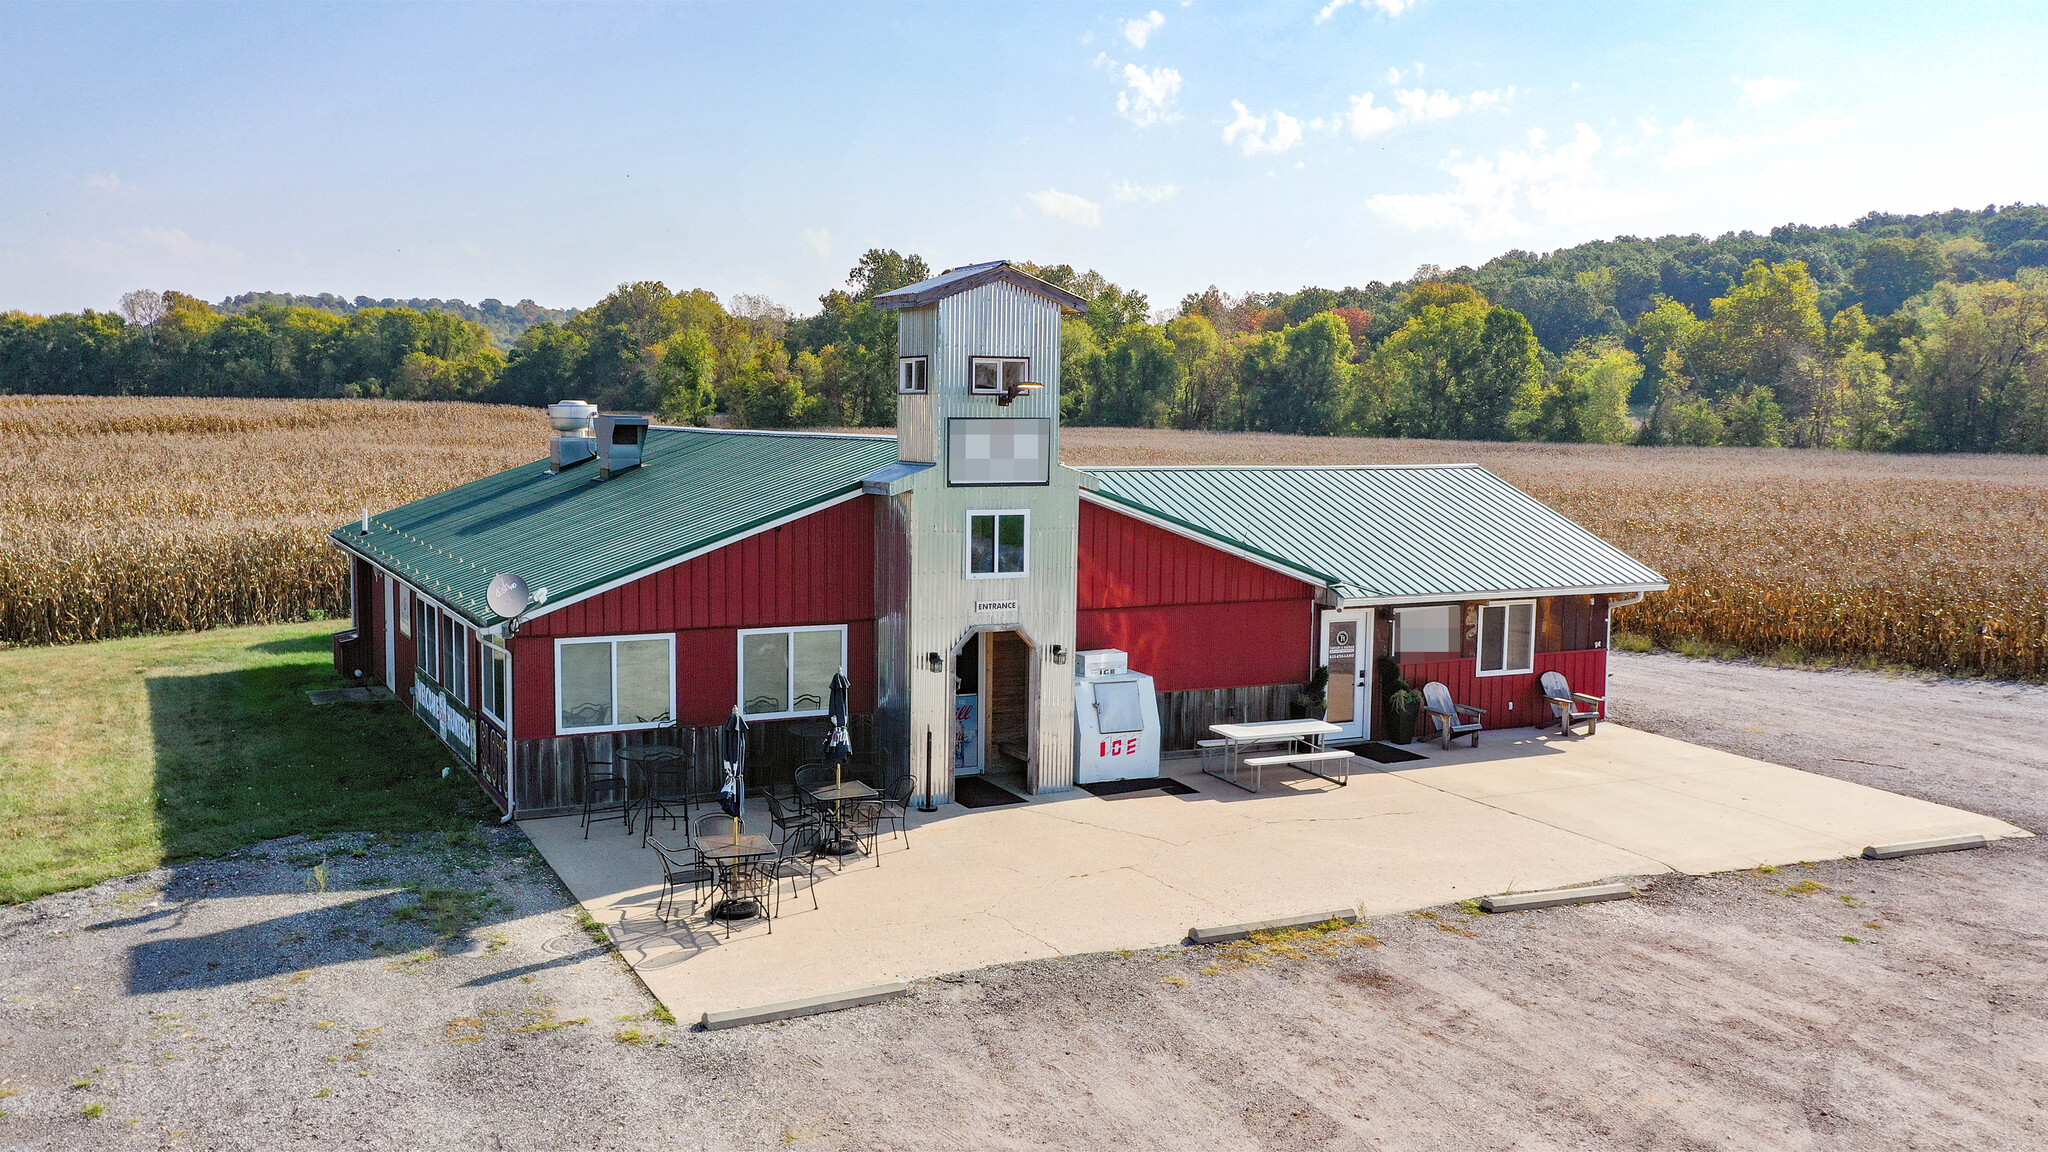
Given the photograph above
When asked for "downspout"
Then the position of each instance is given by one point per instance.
(1611, 606)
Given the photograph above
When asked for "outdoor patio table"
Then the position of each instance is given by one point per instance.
(1308, 734)
(725, 853)
(660, 765)
(836, 795)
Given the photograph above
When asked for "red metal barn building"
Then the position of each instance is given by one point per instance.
(952, 571)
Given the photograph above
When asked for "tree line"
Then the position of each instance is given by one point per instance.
(1925, 333)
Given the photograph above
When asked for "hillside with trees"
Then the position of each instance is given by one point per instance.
(1921, 333)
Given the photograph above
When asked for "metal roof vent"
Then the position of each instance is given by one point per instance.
(572, 443)
(619, 440)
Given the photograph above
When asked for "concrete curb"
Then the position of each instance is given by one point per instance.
(808, 1006)
(1529, 901)
(1921, 847)
(1230, 932)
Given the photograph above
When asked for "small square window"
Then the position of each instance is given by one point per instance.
(910, 374)
(992, 375)
(997, 544)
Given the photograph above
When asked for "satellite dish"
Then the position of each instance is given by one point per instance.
(508, 596)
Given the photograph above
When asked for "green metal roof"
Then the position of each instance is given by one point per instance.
(571, 533)
(1385, 532)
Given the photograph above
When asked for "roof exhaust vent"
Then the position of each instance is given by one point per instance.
(572, 443)
(619, 440)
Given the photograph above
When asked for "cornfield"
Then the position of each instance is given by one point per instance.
(1936, 562)
(123, 516)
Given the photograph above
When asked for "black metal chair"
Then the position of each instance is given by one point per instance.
(716, 826)
(810, 778)
(678, 869)
(667, 787)
(792, 821)
(606, 792)
(791, 863)
(894, 808)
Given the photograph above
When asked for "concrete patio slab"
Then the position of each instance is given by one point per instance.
(1074, 873)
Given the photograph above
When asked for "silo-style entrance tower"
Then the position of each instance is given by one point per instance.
(976, 545)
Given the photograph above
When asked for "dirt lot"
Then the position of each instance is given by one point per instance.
(237, 1004)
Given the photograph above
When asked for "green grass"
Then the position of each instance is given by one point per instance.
(118, 756)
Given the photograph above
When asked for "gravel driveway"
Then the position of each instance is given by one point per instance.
(442, 993)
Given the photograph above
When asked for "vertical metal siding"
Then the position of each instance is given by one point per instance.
(1586, 669)
(816, 570)
(1125, 562)
(997, 319)
(917, 432)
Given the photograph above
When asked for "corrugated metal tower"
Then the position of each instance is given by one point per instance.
(976, 547)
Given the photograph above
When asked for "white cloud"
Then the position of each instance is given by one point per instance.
(1389, 7)
(1367, 117)
(1258, 134)
(1151, 194)
(1759, 90)
(819, 242)
(1149, 96)
(1140, 30)
(1067, 206)
(1501, 197)
(1393, 77)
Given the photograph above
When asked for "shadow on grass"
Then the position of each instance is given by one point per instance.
(242, 756)
(319, 643)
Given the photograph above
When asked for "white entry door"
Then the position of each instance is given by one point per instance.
(1347, 653)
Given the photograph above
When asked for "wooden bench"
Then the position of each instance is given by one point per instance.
(1299, 760)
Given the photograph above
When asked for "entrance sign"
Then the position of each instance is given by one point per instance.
(995, 605)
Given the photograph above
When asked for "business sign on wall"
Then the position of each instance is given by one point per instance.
(982, 452)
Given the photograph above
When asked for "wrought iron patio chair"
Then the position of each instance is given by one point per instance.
(1450, 715)
(895, 808)
(678, 869)
(753, 883)
(858, 820)
(794, 861)
(1564, 705)
(793, 822)
(717, 826)
(606, 792)
(666, 788)
(809, 778)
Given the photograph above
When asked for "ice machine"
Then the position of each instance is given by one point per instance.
(1117, 718)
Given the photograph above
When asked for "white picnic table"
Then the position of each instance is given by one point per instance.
(1302, 742)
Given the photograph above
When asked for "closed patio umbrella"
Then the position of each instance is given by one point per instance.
(838, 745)
(732, 748)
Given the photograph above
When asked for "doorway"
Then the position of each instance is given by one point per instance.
(1347, 653)
(992, 712)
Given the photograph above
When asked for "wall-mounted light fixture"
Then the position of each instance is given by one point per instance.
(1014, 389)
(937, 662)
(1059, 654)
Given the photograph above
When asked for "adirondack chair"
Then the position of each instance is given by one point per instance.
(1564, 703)
(1450, 715)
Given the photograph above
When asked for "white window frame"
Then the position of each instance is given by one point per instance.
(789, 671)
(974, 362)
(998, 512)
(565, 730)
(483, 663)
(1479, 654)
(918, 367)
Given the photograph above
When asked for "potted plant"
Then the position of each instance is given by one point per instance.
(1310, 702)
(1404, 706)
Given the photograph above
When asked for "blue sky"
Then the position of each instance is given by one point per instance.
(553, 152)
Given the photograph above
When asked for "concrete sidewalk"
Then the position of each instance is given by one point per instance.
(1073, 873)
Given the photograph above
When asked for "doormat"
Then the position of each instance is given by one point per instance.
(1380, 753)
(1166, 784)
(974, 792)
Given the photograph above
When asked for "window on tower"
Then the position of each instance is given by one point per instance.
(910, 374)
(993, 374)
